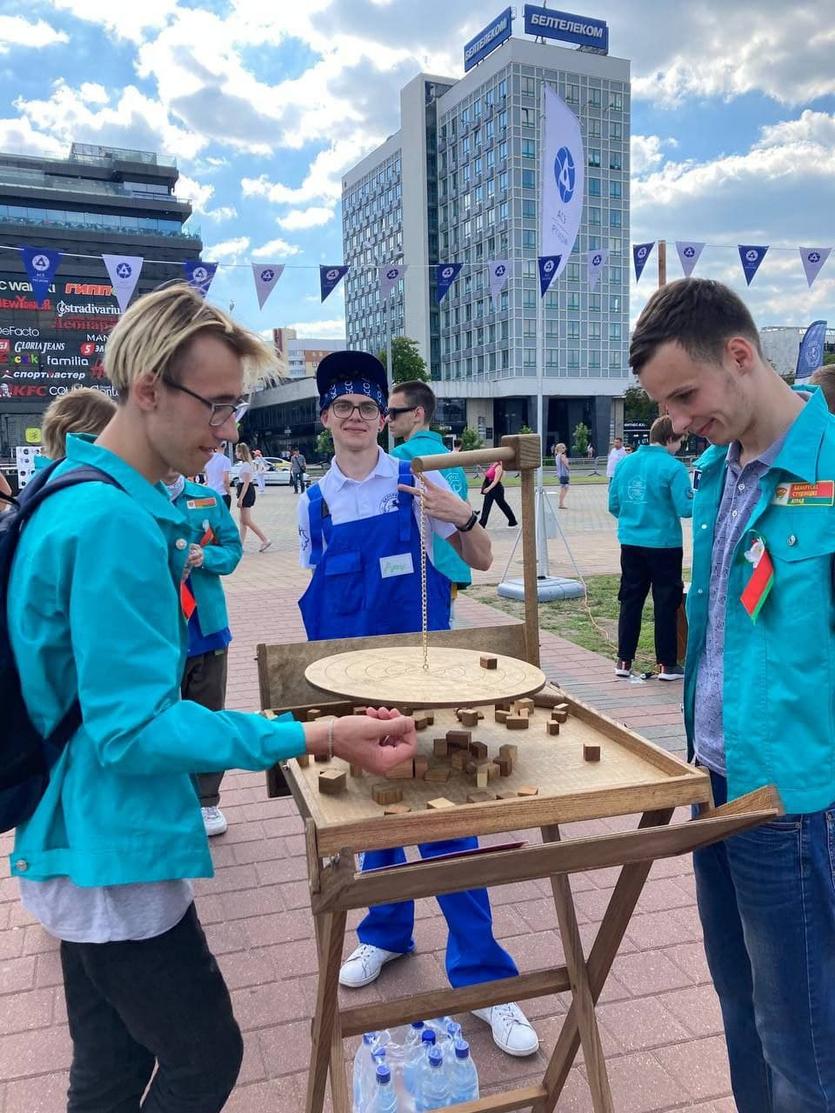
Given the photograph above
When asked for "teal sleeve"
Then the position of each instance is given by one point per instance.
(614, 497)
(682, 492)
(127, 650)
(400, 452)
(224, 555)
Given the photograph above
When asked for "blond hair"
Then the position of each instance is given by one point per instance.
(242, 450)
(153, 335)
(559, 449)
(81, 410)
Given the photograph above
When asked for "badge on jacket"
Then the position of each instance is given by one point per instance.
(198, 504)
(821, 493)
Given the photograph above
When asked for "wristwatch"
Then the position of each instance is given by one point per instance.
(468, 525)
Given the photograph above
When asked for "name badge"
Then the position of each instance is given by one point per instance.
(196, 504)
(805, 494)
(400, 565)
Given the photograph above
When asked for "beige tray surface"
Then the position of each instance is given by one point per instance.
(554, 763)
(396, 677)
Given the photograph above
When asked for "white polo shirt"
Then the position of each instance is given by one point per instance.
(352, 499)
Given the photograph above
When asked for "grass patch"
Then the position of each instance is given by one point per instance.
(570, 618)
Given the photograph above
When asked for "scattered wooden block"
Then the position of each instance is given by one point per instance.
(458, 759)
(492, 771)
(405, 771)
(397, 809)
(517, 722)
(441, 802)
(527, 790)
(461, 738)
(322, 757)
(437, 774)
(421, 767)
(501, 716)
(525, 704)
(591, 753)
(553, 727)
(506, 794)
(558, 716)
(488, 661)
(332, 781)
(470, 764)
(481, 776)
(313, 714)
(469, 718)
(504, 765)
(421, 722)
(360, 710)
(478, 750)
(303, 760)
(386, 794)
(430, 719)
(480, 796)
(481, 714)
(502, 705)
(440, 747)
(507, 749)
(355, 770)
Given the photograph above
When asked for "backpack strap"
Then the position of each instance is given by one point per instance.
(321, 524)
(405, 501)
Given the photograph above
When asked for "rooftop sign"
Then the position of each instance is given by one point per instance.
(493, 35)
(579, 29)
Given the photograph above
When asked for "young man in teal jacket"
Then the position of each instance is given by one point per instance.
(759, 699)
(95, 613)
(649, 494)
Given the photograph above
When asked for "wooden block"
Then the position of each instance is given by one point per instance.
(591, 753)
(504, 765)
(458, 759)
(561, 707)
(360, 710)
(313, 714)
(461, 738)
(527, 790)
(470, 764)
(517, 722)
(525, 704)
(386, 794)
(506, 794)
(421, 766)
(502, 705)
(553, 727)
(480, 796)
(421, 722)
(355, 770)
(441, 802)
(507, 749)
(501, 716)
(481, 777)
(430, 719)
(437, 774)
(397, 809)
(322, 757)
(407, 711)
(440, 747)
(488, 661)
(332, 781)
(303, 760)
(469, 718)
(492, 771)
(558, 716)
(478, 750)
(405, 771)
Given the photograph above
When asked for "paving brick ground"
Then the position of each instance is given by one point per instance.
(659, 1016)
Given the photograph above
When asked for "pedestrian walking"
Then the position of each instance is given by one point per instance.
(492, 489)
(616, 454)
(246, 496)
(260, 465)
(298, 468)
(563, 474)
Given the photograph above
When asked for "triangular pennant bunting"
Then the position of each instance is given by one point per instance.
(596, 263)
(329, 279)
(813, 259)
(640, 253)
(445, 275)
(548, 265)
(266, 275)
(499, 274)
(750, 255)
(199, 274)
(389, 277)
(124, 271)
(688, 255)
(41, 265)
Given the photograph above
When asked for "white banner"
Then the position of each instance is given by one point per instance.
(499, 274)
(813, 259)
(266, 276)
(596, 263)
(688, 255)
(563, 179)
(389, 277)
(124, 271)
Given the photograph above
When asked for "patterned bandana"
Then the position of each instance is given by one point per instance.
(352, 386)
(175, 489)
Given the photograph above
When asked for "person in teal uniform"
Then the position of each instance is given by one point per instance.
(759, 698)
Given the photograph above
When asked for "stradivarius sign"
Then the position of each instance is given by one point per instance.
(493, 35)
(579, 29)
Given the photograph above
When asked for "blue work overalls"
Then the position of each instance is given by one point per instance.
(350, 595)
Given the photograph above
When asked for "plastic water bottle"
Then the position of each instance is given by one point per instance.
(452, 1033)
(413, 1053)
(432, 1085)
(383, 1098)
(363, 1067)
(463, 1077)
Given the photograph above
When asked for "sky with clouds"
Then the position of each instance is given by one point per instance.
(264, 106)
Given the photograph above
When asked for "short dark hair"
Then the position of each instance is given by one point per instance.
(417, 393)
(661, 431)
(824, 377)
(697, 313)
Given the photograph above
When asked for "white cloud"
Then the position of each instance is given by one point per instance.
(228, 250)
(17, 31)
(221, 213)
(647, 152)
(332, 328)
(187, 189)
(19, 136)
(275, 250)
(298, 219)
(125, 20)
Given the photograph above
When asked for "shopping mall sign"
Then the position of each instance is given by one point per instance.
(493, 35)
(580, 29)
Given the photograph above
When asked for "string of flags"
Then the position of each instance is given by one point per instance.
(124, 270)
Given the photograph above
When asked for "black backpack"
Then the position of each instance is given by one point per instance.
(25, 756)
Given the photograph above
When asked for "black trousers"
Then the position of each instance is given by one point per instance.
(156, 1002)
(496, 495)
(204, 682)
(641, 569)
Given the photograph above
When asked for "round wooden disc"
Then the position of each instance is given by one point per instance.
(396, 677)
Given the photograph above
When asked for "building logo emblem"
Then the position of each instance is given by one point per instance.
(566, 174)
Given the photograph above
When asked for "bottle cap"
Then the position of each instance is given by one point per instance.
(462, 1049)
(436, 1057)
(418, 1024)
(369, 1037)
(383, 1074)
(428, 1035)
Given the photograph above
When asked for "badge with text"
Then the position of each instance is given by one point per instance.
(821, 493)
(762, 578)
(400, 565)
(195, 504)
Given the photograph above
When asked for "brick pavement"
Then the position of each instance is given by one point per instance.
(659, 1017)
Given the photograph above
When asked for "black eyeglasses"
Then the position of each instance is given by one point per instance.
(367, 410)
(396, 411)
(221, 411)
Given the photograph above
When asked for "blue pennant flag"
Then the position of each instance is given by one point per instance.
(751, 256)
(548, 267)
(640, 253)
(810, 356)
(445, 275)
(41, 265)
(199, 274)
(329, 279)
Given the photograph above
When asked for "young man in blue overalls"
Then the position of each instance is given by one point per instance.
(359, 532)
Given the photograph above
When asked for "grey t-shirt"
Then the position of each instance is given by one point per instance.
(106, 913)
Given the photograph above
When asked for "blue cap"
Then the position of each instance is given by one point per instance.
(417, 1024)
(348, 366)
(428, 1035)
(462, 1049)
(436, 1057)
(383, 1074)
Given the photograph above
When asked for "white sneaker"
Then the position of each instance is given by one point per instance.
(214, 821)
(364, 965)
(512, 1031)
(263, 548)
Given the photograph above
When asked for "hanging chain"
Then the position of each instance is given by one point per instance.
(424, 617)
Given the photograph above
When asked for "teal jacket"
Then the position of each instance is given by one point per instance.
(649, 494)
(444, 557)
(778, 707)
(94, 611)
(204, 510)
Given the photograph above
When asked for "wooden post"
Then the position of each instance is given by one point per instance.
(662, 262)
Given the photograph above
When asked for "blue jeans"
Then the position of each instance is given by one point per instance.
(472, 953)
(767, 905)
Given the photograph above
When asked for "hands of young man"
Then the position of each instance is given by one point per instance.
(440, 503)
(377, 741)
(195, 557)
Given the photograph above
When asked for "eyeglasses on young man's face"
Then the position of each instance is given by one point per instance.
(221, 411)
(368, 411)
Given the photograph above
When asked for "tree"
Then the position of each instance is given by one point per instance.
(324, 444)
(408, 363)
(581, 439)
(470, 440)
(638, 406)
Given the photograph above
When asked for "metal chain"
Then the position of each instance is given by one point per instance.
(424, 616)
